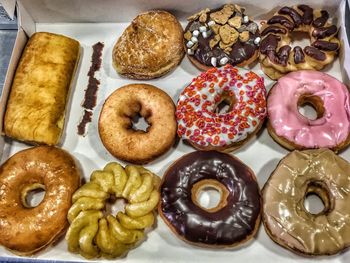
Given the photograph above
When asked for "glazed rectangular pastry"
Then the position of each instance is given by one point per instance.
(39, 94)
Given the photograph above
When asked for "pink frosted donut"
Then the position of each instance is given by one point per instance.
(204, 125)
(329, 97)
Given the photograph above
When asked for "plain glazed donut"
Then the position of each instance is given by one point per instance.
(232, 222)
(24, 229)
(285, 218)
(115, 125)
(277, 56)
(329, 97)
(204, 126)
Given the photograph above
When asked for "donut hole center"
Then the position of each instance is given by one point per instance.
(114, 205)
(210, 195)
(225, 103)
(317, 200)
(139, 123)
(33, 195)
(311, 106)
(299, 38)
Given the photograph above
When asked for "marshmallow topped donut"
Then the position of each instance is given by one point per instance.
(327, 95)
(207, 127)
(25, 229)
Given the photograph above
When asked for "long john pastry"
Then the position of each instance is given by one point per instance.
(36, 107)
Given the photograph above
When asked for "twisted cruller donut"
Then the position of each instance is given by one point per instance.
(277, 56)
(91, 232)
(285, 218)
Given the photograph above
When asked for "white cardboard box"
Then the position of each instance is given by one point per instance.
(91, 21)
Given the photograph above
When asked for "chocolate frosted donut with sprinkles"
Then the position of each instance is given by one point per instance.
(221, 36)
(278, 57)
(232, 222)
(221, 109)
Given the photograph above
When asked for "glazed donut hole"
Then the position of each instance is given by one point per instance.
(32, 195)
(317, 199)
(311, 106)
(210, 195)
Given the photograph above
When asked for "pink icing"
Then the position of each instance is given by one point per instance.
(328, 131)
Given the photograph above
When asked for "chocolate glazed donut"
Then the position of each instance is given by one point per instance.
(233, 221)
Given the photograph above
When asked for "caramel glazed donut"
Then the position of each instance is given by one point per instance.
(115, 125)
(232, 222)
(25, 229)
(285, 218)
(276, 55)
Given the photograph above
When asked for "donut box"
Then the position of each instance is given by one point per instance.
(97, 26)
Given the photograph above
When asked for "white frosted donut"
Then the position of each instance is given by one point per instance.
(204, 126)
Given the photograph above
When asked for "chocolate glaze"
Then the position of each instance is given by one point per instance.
(325, 45)
(274, 30)
(269, 43)
(293, 14)
(323, 32)
(87, 117)
(315, 53)
(308, 15)
(231, 224)
(283, 54)
(299, 56)
(282, 20)
(321, 21)
(240, 51)
(91, 91)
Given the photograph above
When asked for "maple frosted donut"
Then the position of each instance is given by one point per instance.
(327, 95)
(115, 123)
(289, 223)
(234, 220)
(222, 108)
(25, 229)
